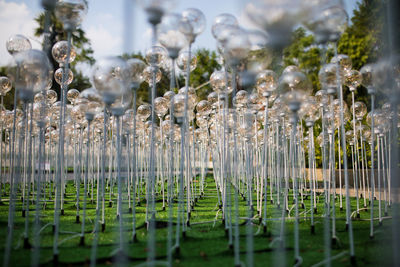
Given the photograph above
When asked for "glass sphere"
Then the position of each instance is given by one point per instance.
(212, 98)
(203, 108)
(360, 109)
(241, 98)
(219, 81)
(51, 96)
(169, 35)
(182, 61)
(60, 52)
(72, 95)
(220, 21)
(344, 62)
(143, 112)
(136, 68)
(91, 94)
(294, 87)
(121, 103)
(266, 82)
(5, 85)
(352, 79)
(236, 48)
(192, 24)
(169, 95)
(366, 72)
(155, 9)
(327, 23)
(38, 98)
(35, 71)
(192, 97)
(179, 105)
(155, 55)
(275, 17)
(148, 73)
(111, 78)
(58, 76)
(289, 69)
(78, 115)
(18, 43)
(71, 12)
(161, 106)
(328, 76)
(260, 55)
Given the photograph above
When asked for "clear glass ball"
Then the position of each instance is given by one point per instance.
(219, 81)
(148, 73)
(161, 106)
(71, 12)
(34, 71)
(220, 21)
(51, 96)
(193, 23)
(169, 35)
(182, 61)
(58, 76)
(179, 105)
(266, 82)
(203, 108)
(136, 68)
(5, 85)
(72, 95)
(352, 79)
(156, 55)
(60, 52)
(18, 43)
(143, 112)
(111, 78)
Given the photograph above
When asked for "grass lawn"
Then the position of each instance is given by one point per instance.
(206, 242)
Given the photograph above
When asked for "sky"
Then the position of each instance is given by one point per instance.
(105, 20)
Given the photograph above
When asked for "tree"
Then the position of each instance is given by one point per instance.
(84, 52)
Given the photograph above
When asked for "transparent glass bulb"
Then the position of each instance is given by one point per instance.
(51, 96)
(18, 43)
(193, 23)
(203, 108)
(71, 12)
(111, 78)
(352, 79)
(219, 81)
(148, 73)
(169, 35)
(144, 112)
(182, 61)
(161, 105)
(58, 76)
(266, 82)
(60, 52)
(72, 95)
(220, 21)
(34, 72)
(179, 105)
(136, 68)
(5, 85)
(155, 55)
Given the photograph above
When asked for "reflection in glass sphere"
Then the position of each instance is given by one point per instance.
(72, 95)
(169, 35)
(219, 81)
(136, 68)
(266, 82)
(17, 43)
(111, 78)
(71, 12)
(192, 24)
(5, 85)
(51, 96)
(161, 106)
(182, 60)
(35, 71)
(155, 55)
(60, 52)
(148, 73)
(58, 76)
(220, 21)
(143, 112)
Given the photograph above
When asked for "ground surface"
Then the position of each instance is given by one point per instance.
(205, 244)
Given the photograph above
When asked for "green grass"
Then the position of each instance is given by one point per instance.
(205, 244)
